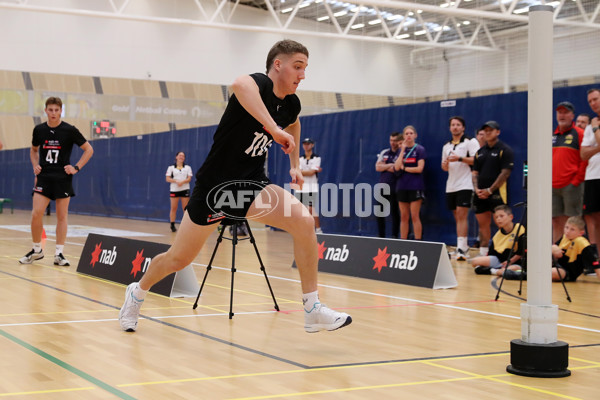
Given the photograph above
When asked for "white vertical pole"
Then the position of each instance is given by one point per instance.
(539, 317)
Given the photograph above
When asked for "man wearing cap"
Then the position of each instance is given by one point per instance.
(568, 169)
(491, 168)
(590, 151)
(310, 165)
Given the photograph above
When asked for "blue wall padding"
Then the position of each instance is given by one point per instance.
(125, 177)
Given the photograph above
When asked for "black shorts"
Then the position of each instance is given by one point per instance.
(309, 199)
(409, 196)
(54, 188)
(462, 198)
(485, 205)
(231, 200)
(183, 193)
(591, 196)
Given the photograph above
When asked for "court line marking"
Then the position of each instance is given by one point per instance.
(494, 379)
(95, 381)
(47, 391)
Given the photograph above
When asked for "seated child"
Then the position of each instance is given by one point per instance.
(501, 244)
(573, 253)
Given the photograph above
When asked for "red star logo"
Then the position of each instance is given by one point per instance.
(96, 254)
(137, 263)
(322, 249)
(381, 259)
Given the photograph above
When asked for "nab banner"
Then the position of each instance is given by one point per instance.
(415, 263)
(124, 261)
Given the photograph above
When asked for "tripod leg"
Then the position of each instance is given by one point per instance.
(262, 266)
(209, 267)
(234, 242)
(562, 280)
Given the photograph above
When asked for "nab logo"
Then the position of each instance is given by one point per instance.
(140, 263)
(103, 256)
(397, 261)
(333, 253)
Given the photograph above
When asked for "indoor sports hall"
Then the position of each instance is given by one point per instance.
(143, 80)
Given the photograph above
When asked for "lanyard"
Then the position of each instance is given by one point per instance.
(410, 152)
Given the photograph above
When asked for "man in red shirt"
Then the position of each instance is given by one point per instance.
(568, 169)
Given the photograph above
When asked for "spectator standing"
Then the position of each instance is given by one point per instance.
(457, 157)
(179, 176)
(310, 165)
(568, 169)
(410, 185)
(385, 164)
(590, 151)
(582, 121)
(491, 169)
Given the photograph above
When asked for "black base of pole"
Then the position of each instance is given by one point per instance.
(539, 360)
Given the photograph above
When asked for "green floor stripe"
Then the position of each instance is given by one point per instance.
(68, 367)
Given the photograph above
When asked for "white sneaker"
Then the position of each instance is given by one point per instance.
(130, 312)
(31, 257)
(461, 255)
(61, 260)
(322, 318)
(318, 230)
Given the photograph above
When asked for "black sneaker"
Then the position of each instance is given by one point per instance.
(481, 270)
(173, 229)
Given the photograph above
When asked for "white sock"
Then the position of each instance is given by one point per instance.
(139, 293)
(462, 243)
(484, 251)
(37, 247)
(309, 300)
(59, 249)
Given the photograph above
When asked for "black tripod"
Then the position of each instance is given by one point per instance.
(234, 241)
(524, 258)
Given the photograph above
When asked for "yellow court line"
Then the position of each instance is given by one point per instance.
(387, 386)
(494, 379)
(585, 361)
(302, 370)
(46, 391)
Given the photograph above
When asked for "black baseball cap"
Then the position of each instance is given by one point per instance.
(308, 140)
(567, 105)
(491, 124)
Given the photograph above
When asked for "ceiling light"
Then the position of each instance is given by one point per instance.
(305, 4)
(375, 22)
(410, 13)
(403, 36)
(287, 10)
(357, 26)
(466, 22)
(419, 11)
(340, 13)
(419, 33)
(394, 17)
(325, 18)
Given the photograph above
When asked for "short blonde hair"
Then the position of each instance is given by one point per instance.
(577, 222)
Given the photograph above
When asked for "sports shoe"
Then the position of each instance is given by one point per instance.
(481, 270)
(31, 257)
(322, 318)
(461, 255)
(130, 312)
(61, 260)
(318, 230)
(173, 229)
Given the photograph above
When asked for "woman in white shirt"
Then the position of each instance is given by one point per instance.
(179, 176)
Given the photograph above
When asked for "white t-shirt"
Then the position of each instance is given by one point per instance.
(593, 168)
(311, 183)
(179, 175)
(459, 173)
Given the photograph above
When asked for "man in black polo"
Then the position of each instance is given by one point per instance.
(491, 169)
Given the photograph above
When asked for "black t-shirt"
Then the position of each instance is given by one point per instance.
(240, 141)
(490, 161)
(55, 146)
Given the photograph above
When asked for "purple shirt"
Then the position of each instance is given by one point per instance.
(411, 181)
(389, 157)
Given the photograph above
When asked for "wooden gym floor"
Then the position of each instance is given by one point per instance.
(60, 338)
